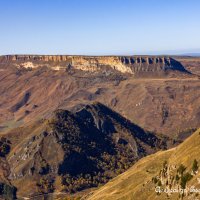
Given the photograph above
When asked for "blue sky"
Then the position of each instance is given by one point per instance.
(99, 27)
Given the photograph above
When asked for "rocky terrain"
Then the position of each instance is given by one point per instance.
(71, 123)
(73, 151)
(30, 93)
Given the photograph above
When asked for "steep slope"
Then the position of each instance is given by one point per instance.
(174, 170)
(73, 151)
(190, 63)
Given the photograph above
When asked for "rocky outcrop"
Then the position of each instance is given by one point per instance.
(91, 124)
(83, 148)
(175, 178)
(123, 64)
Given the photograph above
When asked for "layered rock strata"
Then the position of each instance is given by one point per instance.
(124, 64)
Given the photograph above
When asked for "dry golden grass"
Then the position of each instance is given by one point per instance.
(136, 182)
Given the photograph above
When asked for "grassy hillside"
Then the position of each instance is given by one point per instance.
(172, 169)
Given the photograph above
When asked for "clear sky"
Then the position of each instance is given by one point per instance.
(103, 27)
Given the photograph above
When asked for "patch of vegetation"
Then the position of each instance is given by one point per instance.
(165, 114)
(181, 169)
(195, 166)
(177, 177)
(155, 180)
(4, 147)
(8, 192)
(165, 164)
(184, 179)
(45, 185)
(44, 167)
(159, 183)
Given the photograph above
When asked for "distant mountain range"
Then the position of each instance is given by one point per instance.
(191, 54)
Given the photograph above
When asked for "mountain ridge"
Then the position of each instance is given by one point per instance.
(80, 149)
(124, 64)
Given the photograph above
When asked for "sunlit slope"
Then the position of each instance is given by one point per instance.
(139, 181)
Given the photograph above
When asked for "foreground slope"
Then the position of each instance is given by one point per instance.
(177, 168)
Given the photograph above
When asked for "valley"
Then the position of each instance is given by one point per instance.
(70, 124)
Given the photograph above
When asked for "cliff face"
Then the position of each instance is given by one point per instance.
(123, 64)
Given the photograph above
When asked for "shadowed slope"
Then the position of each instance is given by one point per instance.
(82, 149)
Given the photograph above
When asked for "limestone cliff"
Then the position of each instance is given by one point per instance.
(124, 64)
